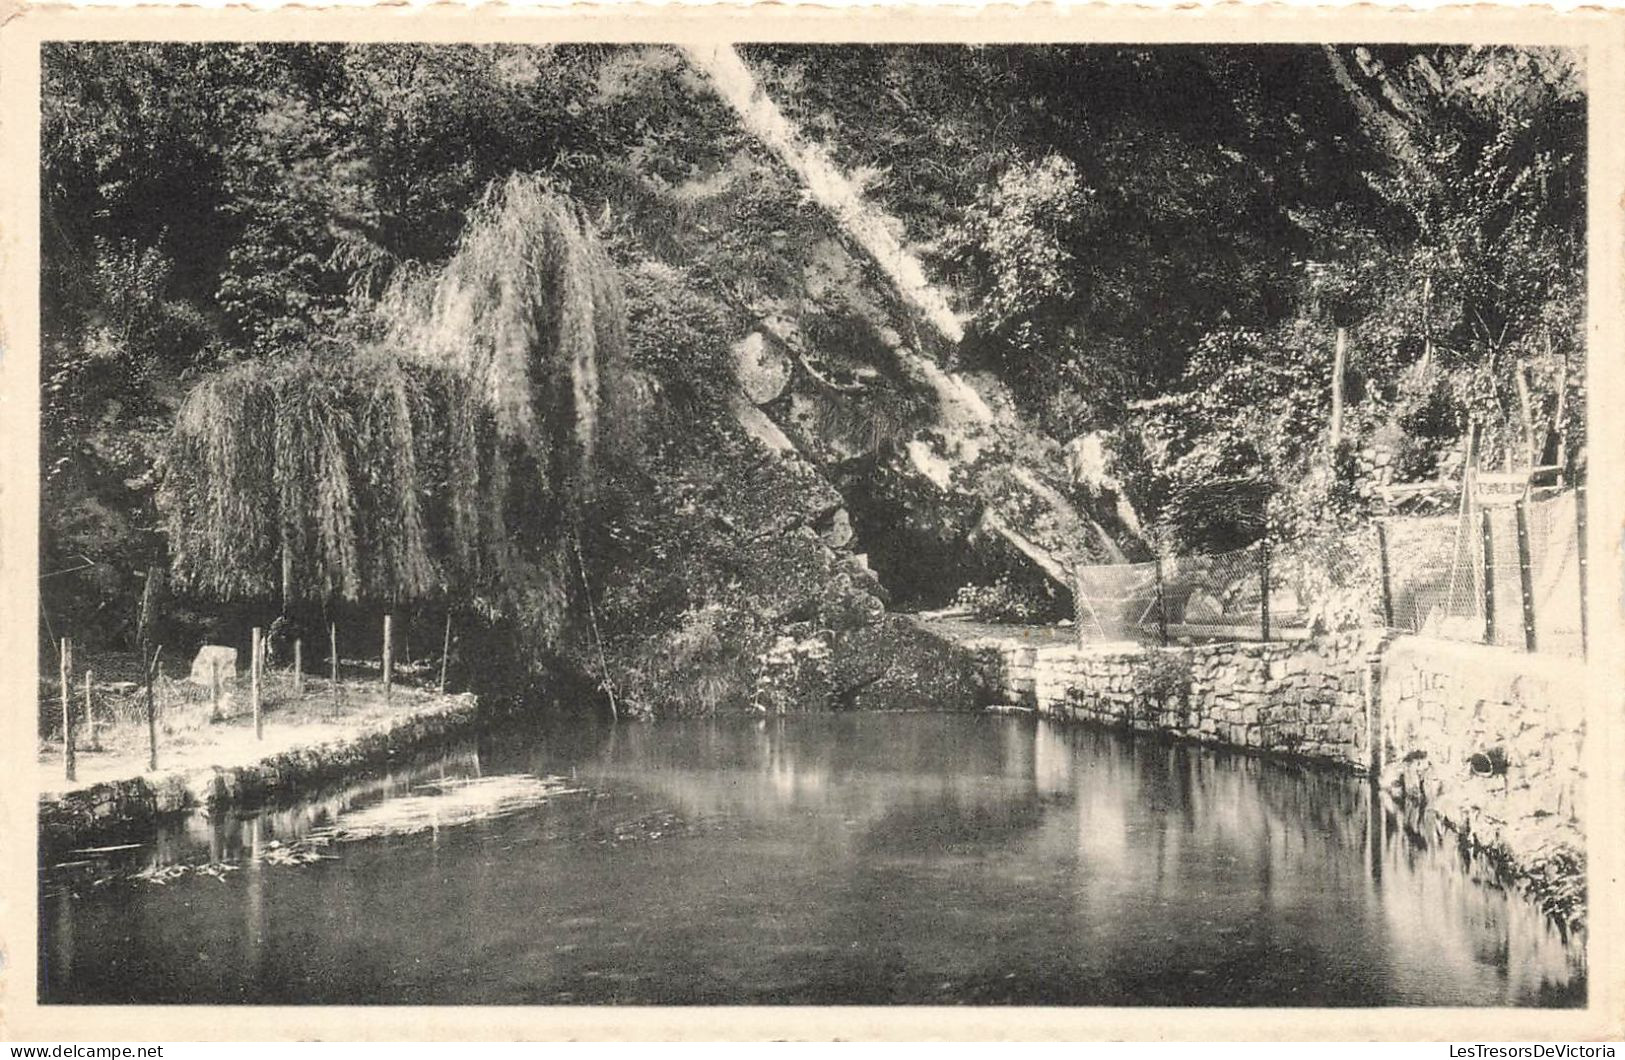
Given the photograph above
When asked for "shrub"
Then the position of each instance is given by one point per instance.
(1163, 678)
(1005, 601)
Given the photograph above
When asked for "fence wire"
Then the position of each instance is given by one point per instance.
(1205, 595)
(1461, 605)
(1416, 574)
(1117, 601)
(1432, 578)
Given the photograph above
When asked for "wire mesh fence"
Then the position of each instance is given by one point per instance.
(1433, 582)
(1192, 595)
(1513, 575)
(1555, 551)
(1117, 601)
(1508, 573)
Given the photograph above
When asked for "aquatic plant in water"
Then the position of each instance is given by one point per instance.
(446, 804)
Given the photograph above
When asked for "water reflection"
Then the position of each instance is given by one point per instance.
(842, 859)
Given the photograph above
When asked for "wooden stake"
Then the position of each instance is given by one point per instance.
(1526, 415)
(1427, 323)
(1558, 418)
(1339, 356)
(333, 657)
(143, 625)
(1526, 580)
(1162, 608)
(256, 652)
(152, 710)
(1264, 587)
(1382, 569)
(299, 668)
(214, 690)
(90, 716)
(1580, 529)
(389, 653)
(445, 652)
(1489, 579)
(69, 759)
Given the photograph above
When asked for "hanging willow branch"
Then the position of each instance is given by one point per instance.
(530, 309)
(318, 458)
(452, 455)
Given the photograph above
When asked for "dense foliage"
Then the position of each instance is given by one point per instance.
(449, 456)
(1154, 246)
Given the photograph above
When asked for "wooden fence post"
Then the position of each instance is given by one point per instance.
(69, 759)
(95, 743)
(148, 665)
(256, 652)
(389, 653)
(333, 658)
(214, 690)
(1382, 570)
(1162, 606)
(1264, 587)
(299, 668)
(1526, 578)
(1339, 358)
(1580, 529)
(1489, 579)
(445, 652)
(1526, 418)
(143, 625)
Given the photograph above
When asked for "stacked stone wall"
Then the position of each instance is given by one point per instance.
(1312, 699)
(1485, 739)
(1490, 740)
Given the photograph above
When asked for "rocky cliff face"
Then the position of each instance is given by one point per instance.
(895, 335)
(733, 583)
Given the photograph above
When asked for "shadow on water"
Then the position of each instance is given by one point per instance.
(830, 859)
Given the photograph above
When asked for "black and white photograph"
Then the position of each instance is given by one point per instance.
(605, 523)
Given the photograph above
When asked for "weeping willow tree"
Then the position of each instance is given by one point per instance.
(452, 453)
(528, 310)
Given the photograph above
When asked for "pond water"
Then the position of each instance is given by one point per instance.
(922, 859)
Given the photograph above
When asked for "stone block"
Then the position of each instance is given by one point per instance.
(210, 656)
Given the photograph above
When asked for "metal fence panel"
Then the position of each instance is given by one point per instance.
(1117, 601)
(1216, 595)
(1425, 575)
(1554, 553)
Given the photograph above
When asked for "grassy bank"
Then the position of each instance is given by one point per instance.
(219, 761)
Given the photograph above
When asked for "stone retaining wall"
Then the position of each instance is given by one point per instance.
(77, 816)
(1312, 699)
(1490, 740)
(1487, 739)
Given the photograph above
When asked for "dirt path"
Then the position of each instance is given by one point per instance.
(290, 724)
(973, 633)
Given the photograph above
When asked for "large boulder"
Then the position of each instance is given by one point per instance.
(836, 530)
(763, 370)
(210, 656)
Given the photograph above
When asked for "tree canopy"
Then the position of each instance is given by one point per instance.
(1152, 243)
(446, 449)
